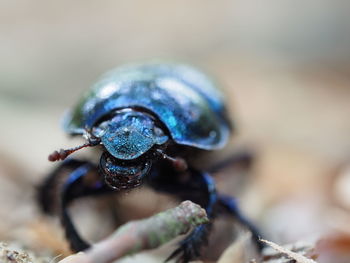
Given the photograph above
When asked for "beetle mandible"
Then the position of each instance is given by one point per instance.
(146, 117)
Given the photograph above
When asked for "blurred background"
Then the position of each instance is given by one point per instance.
(284, 65)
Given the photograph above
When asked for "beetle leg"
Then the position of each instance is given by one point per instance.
(198, 187)
(48, 189)
(73, 187)
(189, 248)
(230, 207)
(242, 159)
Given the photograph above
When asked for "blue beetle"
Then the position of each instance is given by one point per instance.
(147, 118)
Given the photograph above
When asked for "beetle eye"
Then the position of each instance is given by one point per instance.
(100, 130)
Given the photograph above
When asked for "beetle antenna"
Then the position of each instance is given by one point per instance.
(179, 163)
(64, 153)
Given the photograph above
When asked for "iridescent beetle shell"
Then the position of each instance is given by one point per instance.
(182, 98)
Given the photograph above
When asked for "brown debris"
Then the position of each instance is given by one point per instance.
(10, 255)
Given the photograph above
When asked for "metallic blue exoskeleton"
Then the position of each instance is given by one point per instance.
(146, 118)
(182, 98)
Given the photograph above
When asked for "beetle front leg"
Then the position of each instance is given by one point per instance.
(47, 191)
(189, 248)
(75, 186)
(198, 187)
(230, 207)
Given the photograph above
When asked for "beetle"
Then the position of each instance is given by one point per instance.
(146, 118)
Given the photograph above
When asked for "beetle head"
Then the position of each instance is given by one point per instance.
(129, 134)
(127, 137)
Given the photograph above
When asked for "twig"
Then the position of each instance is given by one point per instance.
(143, 234)
(292, 255)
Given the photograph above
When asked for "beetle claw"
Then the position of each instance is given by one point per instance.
(190, 247)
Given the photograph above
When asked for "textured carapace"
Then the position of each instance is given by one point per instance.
(181, 97)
